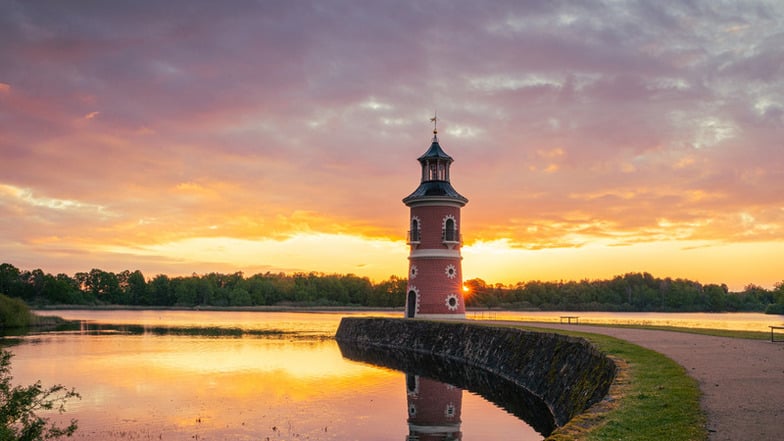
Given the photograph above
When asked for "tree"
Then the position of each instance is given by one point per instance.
(185, 291)
(19, 404)
(61, 289)
(136, 289)
(103, 285)
(239, 297)
(778, 293)
(391, 292)
(33, 284)
(10, 283)
(159, 291)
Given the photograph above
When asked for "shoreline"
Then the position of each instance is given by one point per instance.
(733, 324)
(276, 308)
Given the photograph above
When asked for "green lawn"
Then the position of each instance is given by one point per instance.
(653, 399)
(749, 335)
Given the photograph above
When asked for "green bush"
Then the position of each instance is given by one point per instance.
(19, 404)
(775, 308)
(14, 313)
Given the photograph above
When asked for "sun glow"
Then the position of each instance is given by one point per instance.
(303, 252)
(498, 262)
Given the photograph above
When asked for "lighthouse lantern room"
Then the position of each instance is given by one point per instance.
(435, 279)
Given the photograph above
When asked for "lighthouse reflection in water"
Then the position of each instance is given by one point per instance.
(433, 409)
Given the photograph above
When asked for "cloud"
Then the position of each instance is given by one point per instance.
(618, 123)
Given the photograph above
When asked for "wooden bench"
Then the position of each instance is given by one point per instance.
(568, 319)
(772, 335)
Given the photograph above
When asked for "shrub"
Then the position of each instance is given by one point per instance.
(14, 313)
(775, 308)
(19, 404)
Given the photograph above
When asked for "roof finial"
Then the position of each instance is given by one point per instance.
(434, 120)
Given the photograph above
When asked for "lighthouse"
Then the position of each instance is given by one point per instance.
(434, 410)
(435, 276)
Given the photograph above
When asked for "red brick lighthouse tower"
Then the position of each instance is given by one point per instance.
(433, 410)
(435, 277)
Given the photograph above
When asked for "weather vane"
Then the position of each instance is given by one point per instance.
(434, 120)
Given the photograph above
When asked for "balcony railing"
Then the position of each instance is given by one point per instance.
(451, 237)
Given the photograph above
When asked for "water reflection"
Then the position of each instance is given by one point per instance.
(185, 375)
(433, 409)
(505, 394)
(182, 386)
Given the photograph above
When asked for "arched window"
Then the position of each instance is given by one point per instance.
(414, 233)
(412, 385)
(450, 232)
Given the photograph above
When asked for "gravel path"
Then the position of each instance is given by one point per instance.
(742, 381)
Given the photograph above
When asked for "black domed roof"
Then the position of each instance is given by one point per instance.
(435, 190)
(435, 152)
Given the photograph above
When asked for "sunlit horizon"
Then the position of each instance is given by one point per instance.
(494, 262)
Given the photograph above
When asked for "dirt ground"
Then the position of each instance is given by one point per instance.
(742, 381)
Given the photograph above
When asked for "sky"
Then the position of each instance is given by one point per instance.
(591, 138)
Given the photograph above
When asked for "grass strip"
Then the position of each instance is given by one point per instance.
(652, 398)
(748, 335)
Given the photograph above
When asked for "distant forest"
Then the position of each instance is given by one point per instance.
(629, 292)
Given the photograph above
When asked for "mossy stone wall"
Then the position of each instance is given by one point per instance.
(568, 374)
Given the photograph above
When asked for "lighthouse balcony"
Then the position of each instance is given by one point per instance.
(451, 237)
(413, 237)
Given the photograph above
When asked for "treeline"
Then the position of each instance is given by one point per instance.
(630, 292)
(99, 287)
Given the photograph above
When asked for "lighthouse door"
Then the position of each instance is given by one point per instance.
(411, 304)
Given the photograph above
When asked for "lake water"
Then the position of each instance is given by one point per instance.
(285, 381)
(284, 378)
